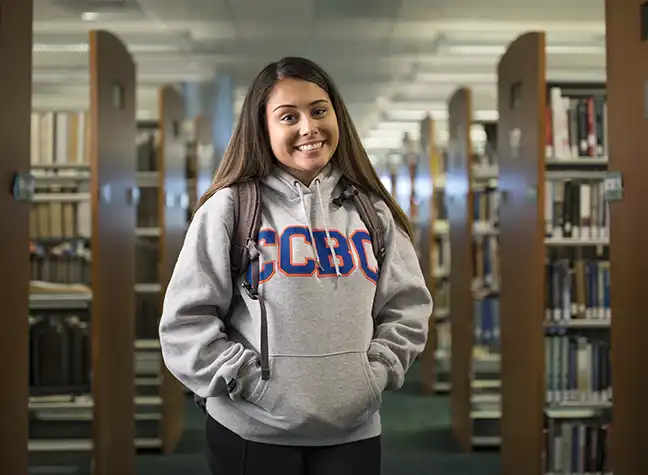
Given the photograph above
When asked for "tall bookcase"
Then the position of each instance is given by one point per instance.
(460, 216)
(627, 71)
(485, 381)
(555, 269)
(81, 267)
(435, 377)
(474, 278)
(174, 202)
(164, 157)
(15, 97)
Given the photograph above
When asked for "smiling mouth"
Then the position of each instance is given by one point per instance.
(310, 147)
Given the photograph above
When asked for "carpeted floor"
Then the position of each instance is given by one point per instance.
(416, 435)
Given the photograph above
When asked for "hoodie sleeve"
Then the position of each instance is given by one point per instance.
(194, 343)
(402, 307)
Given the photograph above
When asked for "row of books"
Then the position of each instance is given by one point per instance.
(147, 150)
(442, 294)
(148, 315)
(576, 125)
(486, 205)
(147, 208)
(486, 266)
(486, 315)
(64, 263)
(576, 447)
(444, 336)
(577, 368)
(576, 209)
(59, 137)
(59, 220)
(59, 352)
(441, 210)
(147, 253)
(577, 289)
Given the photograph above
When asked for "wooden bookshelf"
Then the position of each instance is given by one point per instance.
(552, 143)
(172, 207)
(432, 259)
(484, 375)
(112, 154)
(460, 211)
(15, 97)
(627, 71)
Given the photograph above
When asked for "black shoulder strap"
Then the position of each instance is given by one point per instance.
(368, 215)
(247, 221)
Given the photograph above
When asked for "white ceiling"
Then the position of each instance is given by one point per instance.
(393, 60)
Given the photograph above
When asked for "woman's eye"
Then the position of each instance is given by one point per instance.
(319, 112)
(288, 118)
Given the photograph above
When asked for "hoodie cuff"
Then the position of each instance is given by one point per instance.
(248, 377)
(380, 373)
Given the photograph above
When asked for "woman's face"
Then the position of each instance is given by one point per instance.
(302, 126)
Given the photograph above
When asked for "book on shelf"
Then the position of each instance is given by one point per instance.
(148, 314)
(486, 314)
(147, 142)
(577, 289)
(576, 124)
(486, 204)
(577, 447)
(486, 263)
(441, 254)
(577, 367)
(576, 209)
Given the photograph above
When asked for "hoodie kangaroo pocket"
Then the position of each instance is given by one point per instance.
(317, 396)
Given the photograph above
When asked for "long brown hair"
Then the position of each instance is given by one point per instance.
(249, 156)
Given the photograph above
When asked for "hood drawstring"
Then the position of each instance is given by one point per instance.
(310, 229)
(326, 229)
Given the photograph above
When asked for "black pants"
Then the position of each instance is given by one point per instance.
(229, 454)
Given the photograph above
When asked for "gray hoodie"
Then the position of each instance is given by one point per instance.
(328, 367)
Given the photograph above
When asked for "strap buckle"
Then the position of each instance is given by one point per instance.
(250, 291)
(345, 195)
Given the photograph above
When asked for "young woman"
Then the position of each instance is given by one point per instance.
(338, 330)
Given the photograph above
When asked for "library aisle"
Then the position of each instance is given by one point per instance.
(411, 445)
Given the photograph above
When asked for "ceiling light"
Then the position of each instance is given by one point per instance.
(60, 48)
(89, 16)
(498, 50)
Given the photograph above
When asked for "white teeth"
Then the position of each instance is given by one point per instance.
(309, 147)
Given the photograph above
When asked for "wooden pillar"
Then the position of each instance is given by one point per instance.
(15, 114)
(627, 76)
(521, 155)
(173, 205)
(112, 159)
(460, 218)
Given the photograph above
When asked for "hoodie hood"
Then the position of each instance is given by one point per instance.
(309, 204)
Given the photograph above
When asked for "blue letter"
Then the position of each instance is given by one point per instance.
(360, 239)
(342, 252)
(287, 265)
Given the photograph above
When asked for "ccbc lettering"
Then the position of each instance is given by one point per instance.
(351, 253)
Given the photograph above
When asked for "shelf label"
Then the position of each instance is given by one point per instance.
(23, 186)
(613, 187)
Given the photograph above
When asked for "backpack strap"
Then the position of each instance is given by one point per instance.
(247, 222)
(244, 253)
(368, 214)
